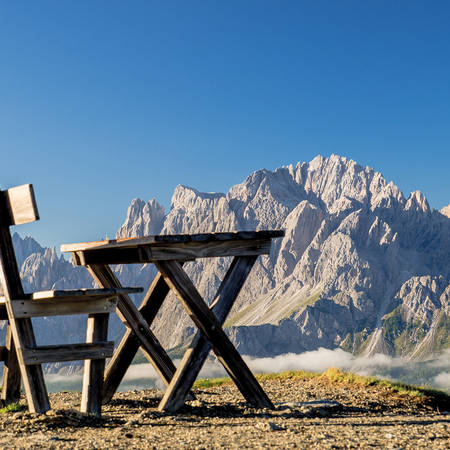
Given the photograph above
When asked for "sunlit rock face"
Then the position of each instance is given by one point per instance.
(446, 211)
(361, 266)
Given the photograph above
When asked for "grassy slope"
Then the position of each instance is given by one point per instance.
(334, 375)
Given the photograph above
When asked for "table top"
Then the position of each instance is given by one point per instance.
(181, 247)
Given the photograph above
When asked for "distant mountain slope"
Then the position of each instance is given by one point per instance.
(361, 266)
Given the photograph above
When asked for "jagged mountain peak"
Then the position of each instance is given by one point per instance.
(417, 202)
(185, 195)
(446, 211)
(360, 266)
(25, 247)
(143, 218)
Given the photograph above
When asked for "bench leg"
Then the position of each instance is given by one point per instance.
(138, 332)
(32, 375)
(11, 372)
(91, 397)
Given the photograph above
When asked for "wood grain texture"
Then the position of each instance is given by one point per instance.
(144, 253)
(22, 329)
(11, 371)
(69, 352)
(130, 343)
(206, 321)
(195, 356)
(77, 294)
(134, 320)
(174, 239)
(62, 307)
(22, 204)
(91, 394)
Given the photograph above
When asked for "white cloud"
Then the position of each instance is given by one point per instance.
(141, 376)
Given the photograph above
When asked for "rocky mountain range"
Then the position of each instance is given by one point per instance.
(361, 266)
(446, 211)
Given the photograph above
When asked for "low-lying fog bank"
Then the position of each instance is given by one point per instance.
(434, 373)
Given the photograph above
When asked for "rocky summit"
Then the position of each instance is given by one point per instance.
(446, 211)
(361, 266)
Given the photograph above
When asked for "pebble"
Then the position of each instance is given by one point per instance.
(308, 414)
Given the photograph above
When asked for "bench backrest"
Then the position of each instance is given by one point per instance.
(18, 205)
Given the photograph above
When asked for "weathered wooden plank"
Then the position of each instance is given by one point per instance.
(77, 294)
(130, 343)
(22, 204)
(11, 371)
(22, 330)
(178, 252)
(59, 306)
(67, 293)
(195, 356)
(91, 394)
(172, 239)
(68, 352)
(205, 320)
(133, 319)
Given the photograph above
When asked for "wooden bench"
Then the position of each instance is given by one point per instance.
(21, 355)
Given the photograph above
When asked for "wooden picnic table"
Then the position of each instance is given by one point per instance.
(169, 253)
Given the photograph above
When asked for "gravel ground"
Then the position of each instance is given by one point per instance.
(315, 413)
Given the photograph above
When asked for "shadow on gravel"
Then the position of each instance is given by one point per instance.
(141, 403)
(391, 423)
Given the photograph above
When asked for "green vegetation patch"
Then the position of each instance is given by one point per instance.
(211, 382)
(312, 299)
(347, 343)
(337, 375)
(309, 301)
(433, 396)
(177, 352)
(393, 326)
(12, 407)
(355, 343)
(403, 337)
(237, 317)
(289, 374)
(411, 336)
(442, 332)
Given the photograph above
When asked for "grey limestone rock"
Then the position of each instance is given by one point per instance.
(361, 266)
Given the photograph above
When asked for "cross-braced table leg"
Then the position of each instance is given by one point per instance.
(207, 322)
(198, 351)
(138, 332)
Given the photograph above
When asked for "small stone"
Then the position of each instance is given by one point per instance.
(197, 404)
(268, 426)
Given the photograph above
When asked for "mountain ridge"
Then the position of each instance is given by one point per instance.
(361, 266)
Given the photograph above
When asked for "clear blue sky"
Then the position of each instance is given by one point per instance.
(105, 101)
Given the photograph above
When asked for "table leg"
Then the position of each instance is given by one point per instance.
(195, 356)
(206, 321)
(138, 332)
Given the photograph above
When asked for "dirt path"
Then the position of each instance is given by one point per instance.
(316, 413)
